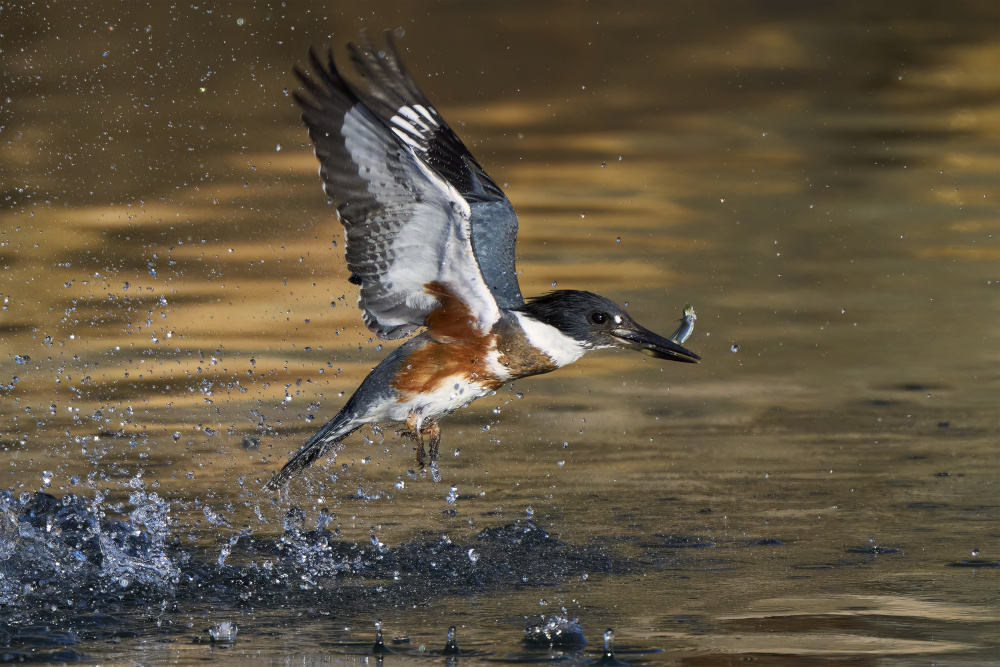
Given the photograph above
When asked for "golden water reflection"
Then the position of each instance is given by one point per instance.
(819, 181)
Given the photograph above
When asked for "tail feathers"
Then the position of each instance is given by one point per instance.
(322, 441)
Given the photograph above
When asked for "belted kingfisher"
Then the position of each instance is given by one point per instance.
(430, 242)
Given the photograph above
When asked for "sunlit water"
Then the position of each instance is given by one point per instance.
(820, 181)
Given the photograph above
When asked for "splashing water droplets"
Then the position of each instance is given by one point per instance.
(451, 647)
(224, 632)
(379, 646)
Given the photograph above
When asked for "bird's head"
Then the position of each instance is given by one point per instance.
(596, 322)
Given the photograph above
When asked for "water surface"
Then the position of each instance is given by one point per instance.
(818, 180)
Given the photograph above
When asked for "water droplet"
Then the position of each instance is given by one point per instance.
(451, 647)
(452, 495)
(529, 512)
(379, 646)
(554, 283)
(473, 556)
(609, 646)
(734, 348)
(975, 553)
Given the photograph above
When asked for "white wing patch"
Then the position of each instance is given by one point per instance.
(408, 138)
(425, 113)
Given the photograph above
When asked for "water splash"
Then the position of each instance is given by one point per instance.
(451, 646)
(557, 632)
(58, 547)
(609, 650)
(224, 632)
(379, 647)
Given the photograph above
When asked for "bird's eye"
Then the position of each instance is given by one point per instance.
(598, 318)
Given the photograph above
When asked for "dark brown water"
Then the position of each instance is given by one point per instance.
(818, 180)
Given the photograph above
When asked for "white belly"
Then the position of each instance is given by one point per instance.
(456, 393)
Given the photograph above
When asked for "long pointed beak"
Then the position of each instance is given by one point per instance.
(654, 345)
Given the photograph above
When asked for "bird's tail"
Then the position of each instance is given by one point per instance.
(322, 441)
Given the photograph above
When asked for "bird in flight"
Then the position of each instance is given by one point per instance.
(430, 243)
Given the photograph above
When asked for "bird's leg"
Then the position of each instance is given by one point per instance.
(414, 431)
(434, 433)
(419, 437)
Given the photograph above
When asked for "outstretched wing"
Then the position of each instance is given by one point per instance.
(407, 229)
(394, 97)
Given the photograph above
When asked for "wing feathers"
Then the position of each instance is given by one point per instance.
(396, 99)
(405, 226)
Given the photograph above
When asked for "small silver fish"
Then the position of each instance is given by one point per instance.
(687, 326)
